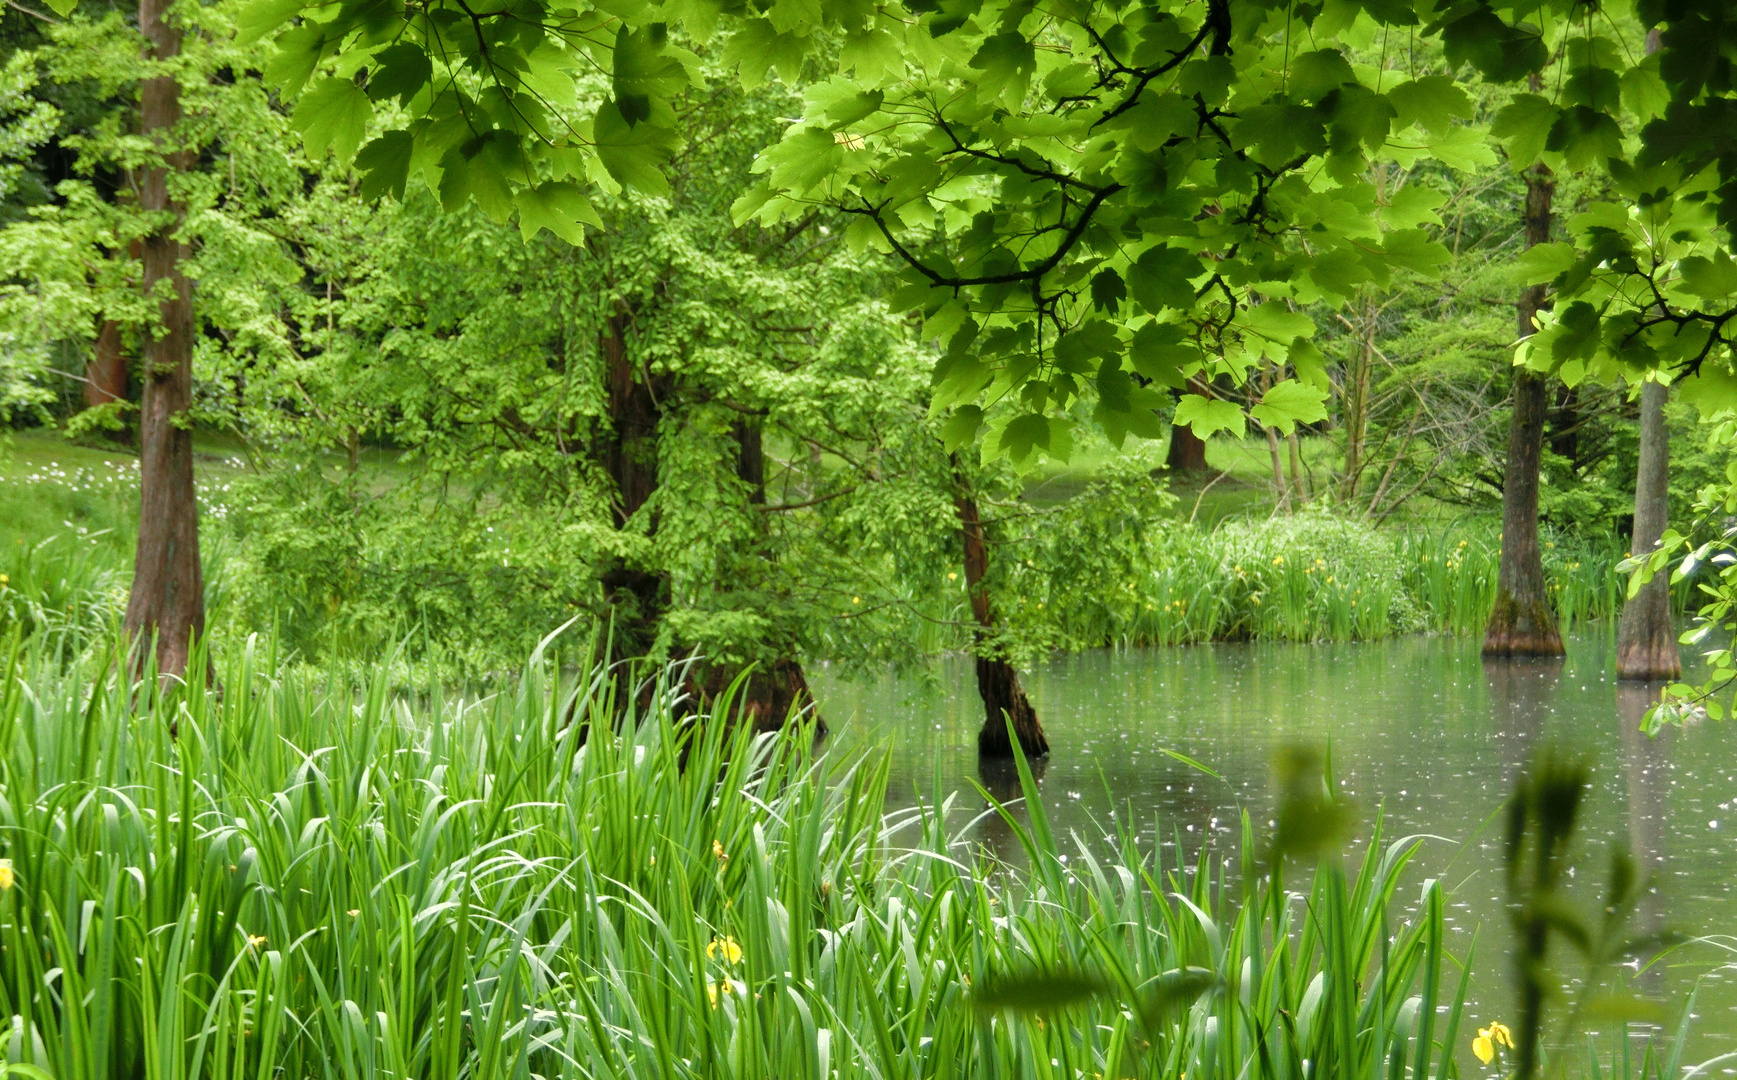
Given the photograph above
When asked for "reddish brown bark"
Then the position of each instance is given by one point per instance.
(997, 680)
(105, 377)
(1523, 622)
(168, 594)
(1187, 453)
(1646, 643)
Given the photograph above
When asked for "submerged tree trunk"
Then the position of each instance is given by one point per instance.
(1523, 623)
(1187, 453)
(997, 680)
(638, 595)
(1646, 646)
(168, 593)
(773, 691)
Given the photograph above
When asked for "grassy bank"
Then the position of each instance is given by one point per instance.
(298, 877)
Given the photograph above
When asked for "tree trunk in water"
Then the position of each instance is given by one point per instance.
(997, 680)
(638, 596)
(1523, 622)
(168, 594)
(1187, 453)
(772, 692)
(1646, 646)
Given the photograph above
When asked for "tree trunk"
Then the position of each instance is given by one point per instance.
(1523, 623)
(1564, 430)
(772, 692)
(1356, 401)
(105, 376)
(168, 593)
(637, 595)
(1646, 646)
(1299, 485)
(1187, 453)
(997, 680)
(1281, 494)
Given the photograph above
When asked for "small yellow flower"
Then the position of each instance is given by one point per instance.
(718, 851)
(1278, 560)
(1329, 579)
(254, 941)
(713, 989)
(1488, 1039)
(856, 599)
(353, 912)
(726, 945)
(5, 579)
(951, 576)
(7, 878)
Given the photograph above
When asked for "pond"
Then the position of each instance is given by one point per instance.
(1420, 730)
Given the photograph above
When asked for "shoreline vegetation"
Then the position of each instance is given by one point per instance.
(281, 877)
(1154, 578)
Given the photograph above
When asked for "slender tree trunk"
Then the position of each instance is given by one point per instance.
(1281, 494)
(1356, 407)
(1646, 645)
(1187, 453)
(1523, 622)
(638, 595)
(168, 593)
(1298, 486)
(997, 680)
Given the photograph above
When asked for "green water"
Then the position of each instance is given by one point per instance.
(1420, 730)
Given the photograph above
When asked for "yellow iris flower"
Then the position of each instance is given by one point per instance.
(1497, 1034)
(726, 945)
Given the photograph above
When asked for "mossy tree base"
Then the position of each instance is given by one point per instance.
(1004, 699)
(1522, 629)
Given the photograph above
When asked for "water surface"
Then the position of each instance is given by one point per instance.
(1420, 730)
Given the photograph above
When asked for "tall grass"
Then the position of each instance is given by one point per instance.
(66, 548)
(294, 877)
(1310, 577)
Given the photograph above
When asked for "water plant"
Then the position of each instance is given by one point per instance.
(293, 875)
(1308, 577)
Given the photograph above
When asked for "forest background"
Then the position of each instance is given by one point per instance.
(420, 425)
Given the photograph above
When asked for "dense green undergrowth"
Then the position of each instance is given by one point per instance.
(295, 876)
